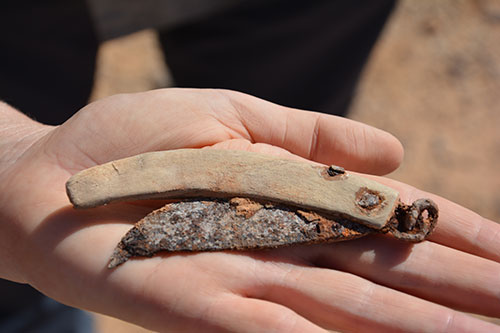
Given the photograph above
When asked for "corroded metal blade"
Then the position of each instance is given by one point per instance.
(230, 224)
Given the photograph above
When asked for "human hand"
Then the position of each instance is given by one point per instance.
(374, 283)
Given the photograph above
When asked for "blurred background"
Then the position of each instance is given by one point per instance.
(433, 81)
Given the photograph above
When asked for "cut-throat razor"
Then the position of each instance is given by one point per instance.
(235, 200)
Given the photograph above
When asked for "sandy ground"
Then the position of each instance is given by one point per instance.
(433, 81)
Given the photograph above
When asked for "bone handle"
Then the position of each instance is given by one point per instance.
(223, 173)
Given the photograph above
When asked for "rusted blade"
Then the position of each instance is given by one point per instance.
(230, 224)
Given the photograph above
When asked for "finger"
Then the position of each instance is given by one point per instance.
(319, 137)
(241, 314)
(426, 270)
(345, 302)
(457, 227)
(188, 118)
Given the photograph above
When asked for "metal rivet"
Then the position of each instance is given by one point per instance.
(368, 199)
(334, 170)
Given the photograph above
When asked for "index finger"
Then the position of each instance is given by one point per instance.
(319, 137)
(130, 124)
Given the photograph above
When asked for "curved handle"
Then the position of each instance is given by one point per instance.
(222, 173)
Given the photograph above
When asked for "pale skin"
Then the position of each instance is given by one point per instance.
(375, 283)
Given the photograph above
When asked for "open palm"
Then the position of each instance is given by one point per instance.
(375, 282)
